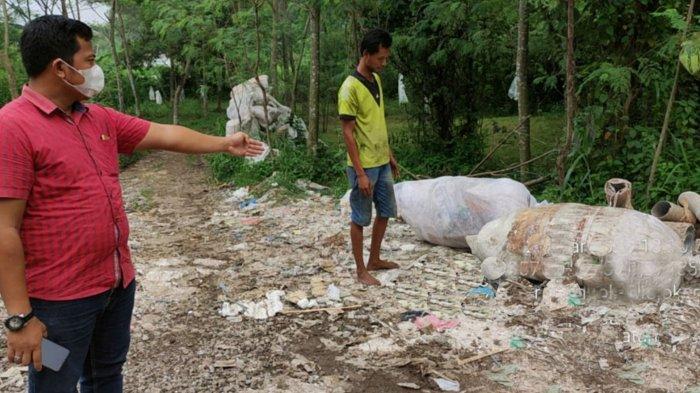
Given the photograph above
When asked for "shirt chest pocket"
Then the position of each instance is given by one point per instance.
(104, 151)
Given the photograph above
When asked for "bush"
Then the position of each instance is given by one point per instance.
(293, 162)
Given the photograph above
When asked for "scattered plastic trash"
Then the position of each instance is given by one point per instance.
(264, 309)
(484, 290)
(647, 341)
(240, 194)
(631, 372)
(517, 342)
(409, 385)
(260, 157)
(248, 204)
(447, 385)
(333, 293)
(502, 375)
(435, 323)
(410, 316)
(574, 299)
(388, 277)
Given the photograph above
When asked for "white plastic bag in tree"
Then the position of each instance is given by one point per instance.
(159, 98)
(151, 94)
(403, 99)
(445, 210)
(513, 90)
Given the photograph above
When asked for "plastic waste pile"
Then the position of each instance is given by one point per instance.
(445, 210)
(628, 251)
(251, 110)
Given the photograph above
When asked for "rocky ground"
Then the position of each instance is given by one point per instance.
(210, 261)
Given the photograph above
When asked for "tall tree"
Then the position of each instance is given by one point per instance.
(257, 6)
(179, 88)
(314, 83)
(285, 34)
(297, 67)
(77, 8)
(9, 70)
(64, 8)
(274, 43)
(112, 44)
(570, 92)
(669, 105)
(523, 91)
(127, 58)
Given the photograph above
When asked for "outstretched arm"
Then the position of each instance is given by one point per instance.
(184, 140)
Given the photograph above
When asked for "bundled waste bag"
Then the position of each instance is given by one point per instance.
(446, 209)
(621, 252)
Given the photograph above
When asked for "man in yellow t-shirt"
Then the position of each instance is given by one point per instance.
(371, 163)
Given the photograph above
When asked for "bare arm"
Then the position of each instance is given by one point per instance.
(348, 127)
(23, 346)
(13, 287)
(362, 180)
(184, 140)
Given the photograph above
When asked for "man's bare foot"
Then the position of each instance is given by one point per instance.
(367, 279)
(382, 265)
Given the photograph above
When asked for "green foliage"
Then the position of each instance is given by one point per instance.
(291, 163)
(458, 59)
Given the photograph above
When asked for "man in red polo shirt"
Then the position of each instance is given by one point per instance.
(65, 268)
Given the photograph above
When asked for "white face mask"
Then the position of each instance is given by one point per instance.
(94, 80)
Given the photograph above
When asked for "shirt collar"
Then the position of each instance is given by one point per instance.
(357, 74)
(44, 104)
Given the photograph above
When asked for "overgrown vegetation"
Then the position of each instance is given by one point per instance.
(458, 61)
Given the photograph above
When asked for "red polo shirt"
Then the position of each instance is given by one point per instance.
(74, 229)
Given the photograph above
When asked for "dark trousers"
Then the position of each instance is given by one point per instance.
(96, 330)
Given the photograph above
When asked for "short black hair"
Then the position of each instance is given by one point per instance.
(373, 39)
(50, 37)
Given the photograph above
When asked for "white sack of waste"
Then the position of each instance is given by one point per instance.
(620, 252)
(445, 210)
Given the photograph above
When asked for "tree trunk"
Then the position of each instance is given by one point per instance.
(129, 70)
(70, 8)
(218, 96)
(295, 78)
(315, 17)
(64, 9)
(120, 92)
(178, 92)
(669, 106)
(274, 44)
(570, 93)
(173, 82)
(9, 70)
(287, 47)
(77, 8)
(204, 92)
(523, 98)
(257, 73)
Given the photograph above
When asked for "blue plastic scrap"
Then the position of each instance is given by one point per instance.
(484, 290)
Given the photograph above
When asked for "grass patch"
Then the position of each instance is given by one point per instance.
(428, 157)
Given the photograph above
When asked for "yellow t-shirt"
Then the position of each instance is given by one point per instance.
(356, 101)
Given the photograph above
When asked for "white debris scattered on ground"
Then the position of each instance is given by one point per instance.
(210, 252)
